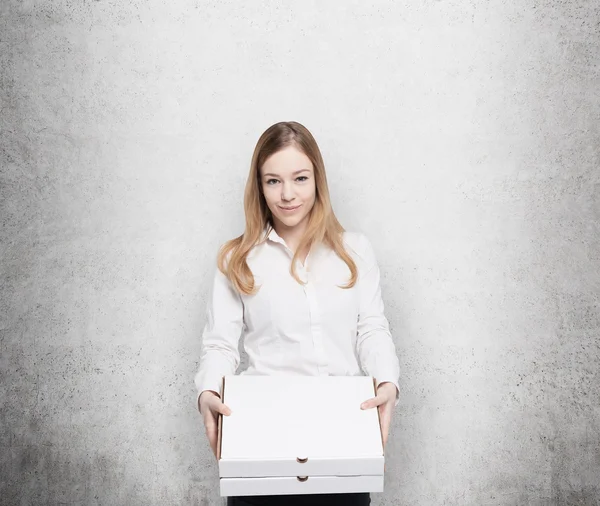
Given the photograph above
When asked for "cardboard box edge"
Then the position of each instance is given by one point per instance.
(220, 422)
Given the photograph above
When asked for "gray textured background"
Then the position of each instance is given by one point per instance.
(462, 136)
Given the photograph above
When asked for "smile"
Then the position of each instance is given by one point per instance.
(289, 210)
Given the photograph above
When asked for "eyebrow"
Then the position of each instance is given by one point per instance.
(296, 172)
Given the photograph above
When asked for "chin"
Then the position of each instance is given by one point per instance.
(291, 221)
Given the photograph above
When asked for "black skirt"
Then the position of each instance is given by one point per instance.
(363, 499)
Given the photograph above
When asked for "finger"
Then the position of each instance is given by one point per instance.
(385, 421)
(221, 408)
(210, 423)
(385, 412)
(385, 426)
(386, 408)
(213, 446)
(371, 403)
(212, 436)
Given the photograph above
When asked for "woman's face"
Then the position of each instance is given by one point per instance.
(287, 180)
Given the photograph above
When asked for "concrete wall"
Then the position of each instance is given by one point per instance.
(462, 137)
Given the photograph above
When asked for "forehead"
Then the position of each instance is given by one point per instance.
(286, 162)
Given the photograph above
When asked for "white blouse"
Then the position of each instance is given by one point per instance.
(288, 328)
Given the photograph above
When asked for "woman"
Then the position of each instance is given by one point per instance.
(302, 291)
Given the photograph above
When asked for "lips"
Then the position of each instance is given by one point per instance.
(289, 208)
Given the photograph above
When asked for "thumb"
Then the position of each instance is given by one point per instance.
(373, 402)
(222, 408)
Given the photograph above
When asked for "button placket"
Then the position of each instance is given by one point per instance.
(315, 317)
(315, 328)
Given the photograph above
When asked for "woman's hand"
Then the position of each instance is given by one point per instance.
(384, 400)
(210, 407)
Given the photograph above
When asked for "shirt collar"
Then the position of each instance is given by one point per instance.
(272, 235)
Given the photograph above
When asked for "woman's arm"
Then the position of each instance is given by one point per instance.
(221, 335)
(375, 347)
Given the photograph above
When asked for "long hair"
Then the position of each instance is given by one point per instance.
(323, 227)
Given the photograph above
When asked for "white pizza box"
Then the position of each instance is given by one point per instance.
(291, 434)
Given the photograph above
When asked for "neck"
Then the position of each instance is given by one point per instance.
(291, 235)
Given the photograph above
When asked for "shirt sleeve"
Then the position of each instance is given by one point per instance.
(375, 347)
(221, 335)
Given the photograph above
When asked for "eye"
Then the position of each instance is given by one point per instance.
(299, 178)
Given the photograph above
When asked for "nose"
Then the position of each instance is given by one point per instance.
(287, 192)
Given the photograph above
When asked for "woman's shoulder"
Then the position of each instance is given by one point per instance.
(353, 238)
(358, 243)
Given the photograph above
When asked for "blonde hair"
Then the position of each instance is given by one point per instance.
(323, 226)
